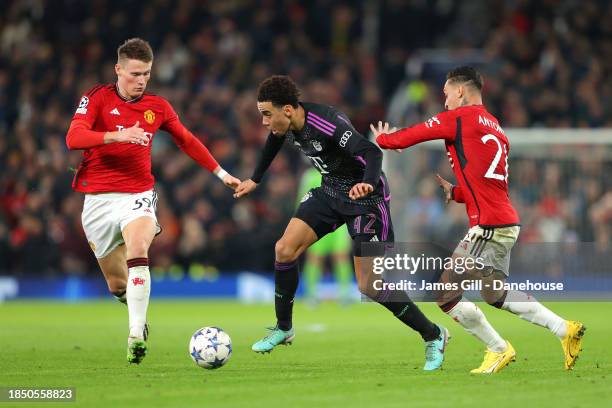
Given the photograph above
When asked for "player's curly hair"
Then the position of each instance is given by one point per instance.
(280, 90)
(466, 75)
(135, 48)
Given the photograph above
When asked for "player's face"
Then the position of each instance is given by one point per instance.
(453, 94)
(132, 77)
(276, 120)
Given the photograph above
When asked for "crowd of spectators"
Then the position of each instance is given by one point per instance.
(209, 58)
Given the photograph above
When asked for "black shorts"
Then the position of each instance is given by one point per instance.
(366, 223)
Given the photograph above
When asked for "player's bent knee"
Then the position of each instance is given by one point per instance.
(285, 252)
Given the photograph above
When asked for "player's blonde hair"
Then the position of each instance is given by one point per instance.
(135, 48)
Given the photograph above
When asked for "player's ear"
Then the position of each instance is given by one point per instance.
(288, 110)
(461, 91)
(117, 68)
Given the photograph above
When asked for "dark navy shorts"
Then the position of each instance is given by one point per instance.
(366, 223)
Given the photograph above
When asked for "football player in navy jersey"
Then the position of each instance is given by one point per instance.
(354, 191)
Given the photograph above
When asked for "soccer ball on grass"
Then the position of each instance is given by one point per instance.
(210, 347)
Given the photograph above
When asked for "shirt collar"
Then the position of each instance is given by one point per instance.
(125, 99)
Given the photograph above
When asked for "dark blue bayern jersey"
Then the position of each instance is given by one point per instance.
(333, 145)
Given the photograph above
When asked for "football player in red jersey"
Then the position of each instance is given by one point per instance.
(115, 124)
(478, 152)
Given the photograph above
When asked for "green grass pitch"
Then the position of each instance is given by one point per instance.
(342, 356)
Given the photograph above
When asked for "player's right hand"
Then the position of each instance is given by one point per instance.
(383, 128)
(134, 134)
(360, 190)
(446, 186)
(245, 188)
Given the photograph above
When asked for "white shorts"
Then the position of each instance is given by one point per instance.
(491, 245)
(105, 215)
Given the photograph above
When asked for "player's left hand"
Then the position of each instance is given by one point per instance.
(360, 190)
(231, 181)
(446, 186)
(383, 128)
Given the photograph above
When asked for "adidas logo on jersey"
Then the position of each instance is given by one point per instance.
(374, 239)
(115, 112)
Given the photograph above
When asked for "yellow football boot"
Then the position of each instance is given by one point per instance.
(494, 362)
(572, 342)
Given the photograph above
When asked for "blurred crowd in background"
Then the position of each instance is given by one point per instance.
(546, 66)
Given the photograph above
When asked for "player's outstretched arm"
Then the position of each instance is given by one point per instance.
(201, 155)
(441, 126)
(270, 150)
(190, 144)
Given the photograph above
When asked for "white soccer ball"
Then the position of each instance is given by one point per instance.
(210, 347)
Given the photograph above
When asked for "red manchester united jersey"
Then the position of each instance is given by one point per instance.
(478, 152)
(124, 167)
